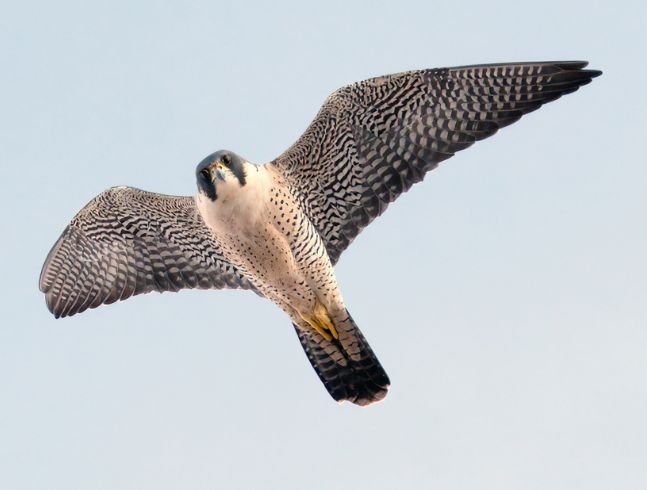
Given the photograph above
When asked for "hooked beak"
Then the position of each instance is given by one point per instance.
(219, 174)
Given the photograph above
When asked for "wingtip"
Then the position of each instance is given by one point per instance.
(579, 66)
(51, 305)
(570, 65)
(44, 284)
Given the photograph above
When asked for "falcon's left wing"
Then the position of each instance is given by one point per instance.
(372, 140)
(126, 242)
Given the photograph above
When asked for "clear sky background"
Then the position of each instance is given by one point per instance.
(506, 295)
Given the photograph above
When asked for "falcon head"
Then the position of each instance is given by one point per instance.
(219, 172)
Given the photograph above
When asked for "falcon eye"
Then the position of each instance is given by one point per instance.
(226, 159)
(206, 174)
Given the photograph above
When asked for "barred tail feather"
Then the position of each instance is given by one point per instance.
(347, 366)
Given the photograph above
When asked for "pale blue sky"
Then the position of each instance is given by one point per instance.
(506, 295)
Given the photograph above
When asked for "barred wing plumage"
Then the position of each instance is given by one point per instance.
(373, 140)
(126, 242)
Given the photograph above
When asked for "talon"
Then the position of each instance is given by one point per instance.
(327, 324)
(323, 319)
(321, 323)
(319, 329)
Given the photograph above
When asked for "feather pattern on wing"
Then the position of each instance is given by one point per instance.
(126, 242)
(373, 140)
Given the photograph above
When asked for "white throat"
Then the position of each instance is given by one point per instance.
(236, 207)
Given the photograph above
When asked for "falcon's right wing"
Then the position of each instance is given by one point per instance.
(373, 140)
(126, 242)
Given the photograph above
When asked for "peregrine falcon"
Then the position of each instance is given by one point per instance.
(279, 228)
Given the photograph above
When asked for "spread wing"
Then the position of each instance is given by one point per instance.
(373, 140)
(126, 242)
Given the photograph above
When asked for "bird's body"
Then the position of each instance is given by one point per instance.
(271, 241)
(279, 228)
(266, 235)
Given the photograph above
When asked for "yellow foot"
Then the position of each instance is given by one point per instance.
(319, 330)
(322, 323)
(323, 319)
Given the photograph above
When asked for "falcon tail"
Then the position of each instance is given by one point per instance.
(347, 365)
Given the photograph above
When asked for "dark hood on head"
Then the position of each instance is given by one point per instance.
(203, 171)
